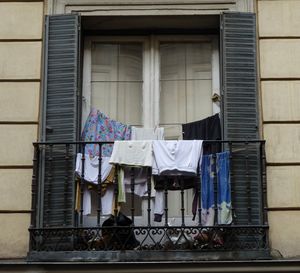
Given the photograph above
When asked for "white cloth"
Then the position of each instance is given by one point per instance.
(87, 202)
(91, 168)
(147, 133)
(159, 204)
(107, 201)
(140, 181)
(136, 153)
(132, 153)
(91, 171)
(208, 216)
(176, 156)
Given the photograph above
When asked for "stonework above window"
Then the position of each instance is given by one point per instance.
(147, 7)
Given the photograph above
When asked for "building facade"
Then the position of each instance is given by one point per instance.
(50, 54)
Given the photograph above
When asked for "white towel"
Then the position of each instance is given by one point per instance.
(132, 153)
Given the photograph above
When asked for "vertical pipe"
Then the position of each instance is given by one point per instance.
(248, 181)
(99, 186)
(49, 184)
(199, 194)
(149, 195)
(264, 190)
(182, 202)
(232, 182)
(215, 184)
(34, 186)
(82, 184)
(116, 194)
(264, 183)
(66, 182)
(132, 182)
(166, 202)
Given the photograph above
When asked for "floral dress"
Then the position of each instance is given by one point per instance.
(99, 127)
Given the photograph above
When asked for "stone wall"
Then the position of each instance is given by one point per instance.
(20, 74)
(279, 47)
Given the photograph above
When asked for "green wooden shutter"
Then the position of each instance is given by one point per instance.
(60, 117)
(240, 111)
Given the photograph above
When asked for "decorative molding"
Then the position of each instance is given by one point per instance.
(147, 7)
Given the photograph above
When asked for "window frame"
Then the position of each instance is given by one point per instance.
(151, 70)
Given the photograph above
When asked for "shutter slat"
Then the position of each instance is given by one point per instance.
(60, 95)
(240, 113)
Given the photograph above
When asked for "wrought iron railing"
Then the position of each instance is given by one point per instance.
(56, 226)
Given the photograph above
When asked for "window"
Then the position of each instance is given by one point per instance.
(152, 81)
(159, 75)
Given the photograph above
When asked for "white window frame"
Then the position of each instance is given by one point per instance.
(151, 70)
(151, 77)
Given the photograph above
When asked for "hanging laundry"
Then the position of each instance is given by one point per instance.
(91, 172)
(207, 190)
(149, 134)
(131, 154)
(91, 168)
(140, 180)
(99, 127)
(170, 159)
(205, 129)
(215, 168)
(176, 157)
(224, 190)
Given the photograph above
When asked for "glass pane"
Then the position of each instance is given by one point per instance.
(185, 82)
(104, 98)
(172, 61)
(117, 74)
(104, 62)
(120, 101)
(198, 61)
(131, 62)
(172, 102)
(198, 99)
(130, 103)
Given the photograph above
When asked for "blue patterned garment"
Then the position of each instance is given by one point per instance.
(224, 190)
(207, 190)
(215, 168)
(99, 127)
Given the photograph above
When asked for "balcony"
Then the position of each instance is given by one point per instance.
(60, 232)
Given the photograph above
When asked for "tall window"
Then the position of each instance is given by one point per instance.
(152, 81)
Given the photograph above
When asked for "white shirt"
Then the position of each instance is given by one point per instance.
(176, 156)
(132, 153)
(91, 168)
